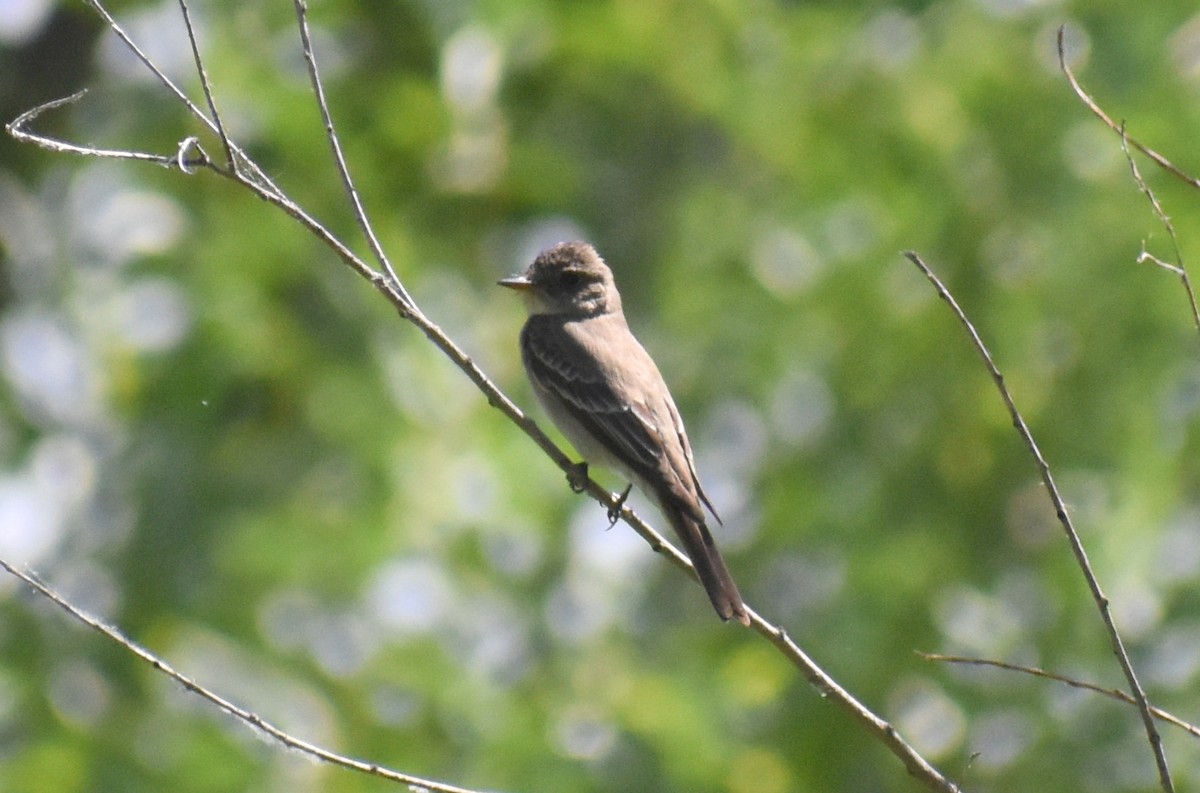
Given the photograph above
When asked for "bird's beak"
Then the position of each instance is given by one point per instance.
(518, 282)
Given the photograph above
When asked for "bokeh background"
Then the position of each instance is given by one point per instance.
(215, 436)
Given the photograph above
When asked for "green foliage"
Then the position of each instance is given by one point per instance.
(221, 440)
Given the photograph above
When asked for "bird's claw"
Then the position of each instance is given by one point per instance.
(614, 512)
(577, 477)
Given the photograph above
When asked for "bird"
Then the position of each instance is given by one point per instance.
(606, 395)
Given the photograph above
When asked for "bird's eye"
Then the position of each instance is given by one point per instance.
(571, 279)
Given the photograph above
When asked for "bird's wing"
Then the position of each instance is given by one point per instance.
(686, 446)
(571, 372)
(609, 384)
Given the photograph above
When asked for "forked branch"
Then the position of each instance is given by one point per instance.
(1064, 519)
(1034, 671)
(1159, 160)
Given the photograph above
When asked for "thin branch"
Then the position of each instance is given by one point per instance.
(917, 766)
(1160, 160)
(169, 84)
(264, 189)
(225, 705)
(206, 85)
(1160, 213)
(1111, 693)
(19, 129)
(335, 143)
(1064, 518)
(99, 8)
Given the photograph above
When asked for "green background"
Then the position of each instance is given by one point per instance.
(218, 438)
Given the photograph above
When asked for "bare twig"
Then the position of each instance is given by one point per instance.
(1160, 213)
(225, 705)
(1111, 693)
(19, 129)
(99, 8)
(258, 174)
(1158, 159)
(335, 143)
(918, 767)
(1064, 518)
(206, 85)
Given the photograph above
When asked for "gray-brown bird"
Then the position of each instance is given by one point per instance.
(604, 391)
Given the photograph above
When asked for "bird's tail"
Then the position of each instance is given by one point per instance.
(710, 567)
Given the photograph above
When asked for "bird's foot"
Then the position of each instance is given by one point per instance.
(577, 477)
(614, 512)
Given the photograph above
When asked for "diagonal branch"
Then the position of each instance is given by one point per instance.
(1111, 693)
(1064, 518)
(1158, 159)
(19, 129)
(206, 85)
(243, 715)
(239, 156)
(335, 143)
(1160, 213)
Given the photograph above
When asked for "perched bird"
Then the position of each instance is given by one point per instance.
(603, 390)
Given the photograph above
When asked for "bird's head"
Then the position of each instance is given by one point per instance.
(569, 278)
